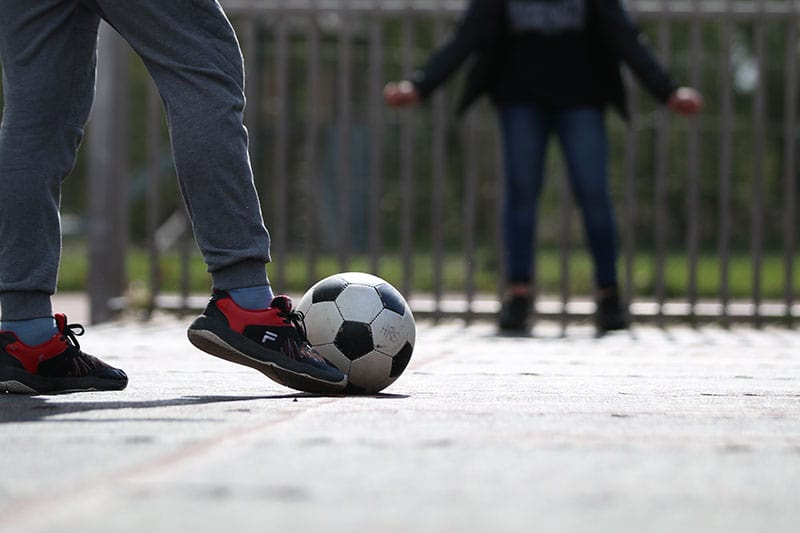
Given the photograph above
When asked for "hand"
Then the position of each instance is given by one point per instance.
(686, 101)
(400, 94)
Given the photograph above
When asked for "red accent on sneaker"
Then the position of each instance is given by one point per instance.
(32, 356)
(61, 321)
(239, 318)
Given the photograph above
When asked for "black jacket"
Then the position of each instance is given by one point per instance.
(479, 36)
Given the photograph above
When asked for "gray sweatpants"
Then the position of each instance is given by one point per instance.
(48, 54)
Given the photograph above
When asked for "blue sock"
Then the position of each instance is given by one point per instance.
(32, 332)
(253, 298)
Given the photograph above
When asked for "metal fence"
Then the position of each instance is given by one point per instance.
(707, 206)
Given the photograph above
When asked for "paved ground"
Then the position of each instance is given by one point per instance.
(652, 430)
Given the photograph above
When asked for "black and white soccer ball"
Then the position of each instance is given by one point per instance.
(361, 324)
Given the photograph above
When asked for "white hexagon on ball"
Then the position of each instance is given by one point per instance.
(322, 321)
(390, 332)
(334, 356)
(370, 372)
(359, 303)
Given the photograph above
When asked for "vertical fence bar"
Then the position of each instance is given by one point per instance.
(376, 122)
(726, 162)
(693, 163)
(406, 164)
(565, 245)
(280, 145)
(497, 246)
(344, 180)
(470, 212)
(312, 146)
(790, 162)
(437, 196)
(662, 149)
(630, 158)
(108, 178)
(153, 209)
(759, 131)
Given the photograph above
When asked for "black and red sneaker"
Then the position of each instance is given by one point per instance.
(55, 366)
(272, 341)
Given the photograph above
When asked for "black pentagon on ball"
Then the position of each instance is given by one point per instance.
(354, 339)
(328, 289)
(392, 300)
(400, 361)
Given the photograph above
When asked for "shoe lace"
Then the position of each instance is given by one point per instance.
(71, 332)
(297, 320)
(301, 349)
(78, 362)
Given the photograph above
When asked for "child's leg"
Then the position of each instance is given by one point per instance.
(47, 49)
(194, 57)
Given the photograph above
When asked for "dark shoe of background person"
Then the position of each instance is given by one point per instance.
(56, 366)
(611, 314)
(515, 314)
(272, 341)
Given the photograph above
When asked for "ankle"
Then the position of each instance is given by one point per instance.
(252, 298)
(31, 332)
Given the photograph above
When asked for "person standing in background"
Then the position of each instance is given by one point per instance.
(551, 67)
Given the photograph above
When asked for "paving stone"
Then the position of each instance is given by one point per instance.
(675, 429)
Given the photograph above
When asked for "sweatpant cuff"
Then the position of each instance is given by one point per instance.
(251, 273)
(24, 305)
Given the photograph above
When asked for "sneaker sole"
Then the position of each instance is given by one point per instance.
(213, 343)
(15, 387)
(16, 381)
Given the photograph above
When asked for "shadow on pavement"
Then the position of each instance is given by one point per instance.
(15, 408)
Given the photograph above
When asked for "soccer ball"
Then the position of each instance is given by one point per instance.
(361, 324)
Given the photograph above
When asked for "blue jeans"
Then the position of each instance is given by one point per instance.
(582, 134)
(48, 51)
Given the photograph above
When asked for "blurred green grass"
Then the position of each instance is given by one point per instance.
(297, 276)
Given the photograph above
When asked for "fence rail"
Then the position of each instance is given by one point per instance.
(413, 196)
